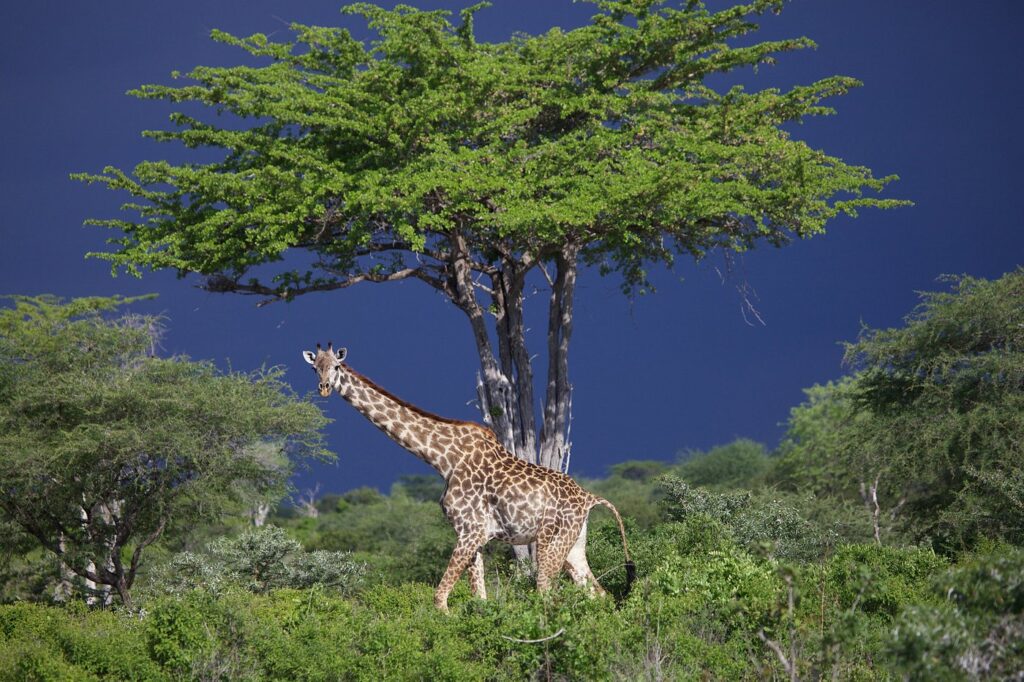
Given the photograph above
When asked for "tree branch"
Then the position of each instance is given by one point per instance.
(147, 541)
(222, 284)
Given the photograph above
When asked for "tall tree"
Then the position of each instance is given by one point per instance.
(103, 447)
(480, 168)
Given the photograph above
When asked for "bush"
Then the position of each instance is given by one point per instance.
(49, 643)
(258, 560)
(758, 524)
(728, 587)
(880, 580)
(634, 498)
(697, 611)
(697, 535)
(176, 633)
(975, 631)
(399, 539)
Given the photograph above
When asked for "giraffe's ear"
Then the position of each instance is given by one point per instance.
(341, 353)
(310, 358)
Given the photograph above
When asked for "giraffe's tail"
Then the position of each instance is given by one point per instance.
(630, 566)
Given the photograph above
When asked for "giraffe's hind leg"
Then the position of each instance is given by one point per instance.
(476, 576)
(553, 546)
(577, 566)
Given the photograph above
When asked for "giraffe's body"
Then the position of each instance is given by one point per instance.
(489, 493)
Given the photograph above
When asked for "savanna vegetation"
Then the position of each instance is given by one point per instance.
(880, 540)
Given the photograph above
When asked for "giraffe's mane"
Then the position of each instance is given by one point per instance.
(418, 410)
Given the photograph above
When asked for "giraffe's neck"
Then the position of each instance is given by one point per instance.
(429, 438)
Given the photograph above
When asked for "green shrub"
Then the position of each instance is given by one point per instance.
(259, 559)
(756, 523)
(49, 643)
(697, 611)
(976, 631)
(697, 535)
(635, 499)
(175, 631)
(412, 540)
(200, 635)
(37, 661)
(728, 587)
(880, 580)
(419, 487)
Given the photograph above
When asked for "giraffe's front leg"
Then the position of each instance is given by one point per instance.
(476, 576)
(465, 552)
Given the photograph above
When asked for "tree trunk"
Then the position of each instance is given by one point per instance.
(505, 382)
(66, 587)
(97, 594)
(554, 439)
(507, 304)
(259, 514)
(869, 493)
(494, 388)
(123, 591)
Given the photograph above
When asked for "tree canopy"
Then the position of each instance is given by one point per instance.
(103, 446)
(426, 154)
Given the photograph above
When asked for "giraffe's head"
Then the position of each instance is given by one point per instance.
(326, 363)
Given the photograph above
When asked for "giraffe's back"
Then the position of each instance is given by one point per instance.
(513, 499)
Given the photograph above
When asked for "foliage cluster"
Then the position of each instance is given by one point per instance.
(605, 135)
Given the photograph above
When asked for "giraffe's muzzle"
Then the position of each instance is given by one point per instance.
(325, 390)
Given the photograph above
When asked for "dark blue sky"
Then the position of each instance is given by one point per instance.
(941, 107)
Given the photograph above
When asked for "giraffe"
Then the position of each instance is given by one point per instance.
(489, 493)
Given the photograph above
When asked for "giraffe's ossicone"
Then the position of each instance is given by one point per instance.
(489, 493)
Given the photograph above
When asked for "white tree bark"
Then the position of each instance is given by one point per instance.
(869, 493)
(505, 381)
(307, 502)
(259, 514)
(554, 439)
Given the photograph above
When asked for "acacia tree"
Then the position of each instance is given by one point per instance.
(478, 168)
(103, 447)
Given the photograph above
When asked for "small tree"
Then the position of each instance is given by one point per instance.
(103, 447)
(484, 169)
